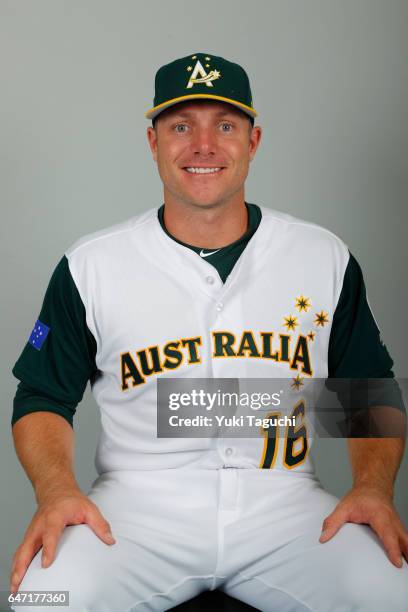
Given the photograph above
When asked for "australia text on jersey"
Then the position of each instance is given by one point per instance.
(136, 366)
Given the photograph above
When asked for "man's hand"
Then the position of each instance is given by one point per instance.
(371, 506)
(54, 513)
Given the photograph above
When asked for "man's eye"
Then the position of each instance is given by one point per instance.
(181, 128)
(226, 127)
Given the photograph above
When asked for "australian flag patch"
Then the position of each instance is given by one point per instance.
(38, 335)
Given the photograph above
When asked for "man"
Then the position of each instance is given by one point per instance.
(208, 286)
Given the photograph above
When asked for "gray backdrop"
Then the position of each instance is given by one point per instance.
(330, 83)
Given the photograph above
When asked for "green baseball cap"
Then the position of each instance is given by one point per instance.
(201, 75)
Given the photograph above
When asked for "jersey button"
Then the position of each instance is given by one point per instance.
(229, 451)
(220, 306)
(210, 280)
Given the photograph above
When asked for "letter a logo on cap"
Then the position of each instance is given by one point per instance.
(201, 75)
(199, 70)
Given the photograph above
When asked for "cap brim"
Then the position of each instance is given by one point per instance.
(156, 110)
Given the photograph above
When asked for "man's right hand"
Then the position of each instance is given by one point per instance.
(54, 513)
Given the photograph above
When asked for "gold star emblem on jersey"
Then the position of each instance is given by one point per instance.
(311, 335)
(297, 383)
(302, 303)
(290, 323)
(199, 75)
(321, 318)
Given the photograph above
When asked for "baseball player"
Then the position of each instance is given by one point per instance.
(209, 286)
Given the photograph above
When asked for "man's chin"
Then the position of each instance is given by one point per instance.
(201, 198)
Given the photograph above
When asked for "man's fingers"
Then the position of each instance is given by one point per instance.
(403, 542)
(390, 540)
(404, 546)
(100, 526)
(22, 560)
(50, 541)
(332, 524)
(48, 537)
(393, 549)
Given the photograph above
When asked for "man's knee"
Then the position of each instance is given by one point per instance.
(376, 590)
(76, 570)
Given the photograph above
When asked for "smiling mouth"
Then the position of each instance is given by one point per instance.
(200, 170)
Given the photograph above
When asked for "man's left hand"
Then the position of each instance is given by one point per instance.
(371, 506)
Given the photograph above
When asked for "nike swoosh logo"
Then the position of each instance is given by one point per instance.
(202, 254)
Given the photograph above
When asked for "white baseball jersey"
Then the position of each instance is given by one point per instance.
(129, 304)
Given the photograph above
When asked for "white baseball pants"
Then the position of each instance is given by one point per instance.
(252, 533)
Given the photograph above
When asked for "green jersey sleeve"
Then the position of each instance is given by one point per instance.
(356, 350)
(59, 357)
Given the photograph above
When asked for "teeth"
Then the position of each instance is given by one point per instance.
(203, 170)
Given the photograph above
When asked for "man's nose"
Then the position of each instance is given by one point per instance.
(204, 141)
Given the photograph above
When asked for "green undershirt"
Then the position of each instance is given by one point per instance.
(224, 259)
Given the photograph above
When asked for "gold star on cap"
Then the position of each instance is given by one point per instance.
(297, 383)
(189, 68)
(290, 322)
(207, 65)
(193, 57)
(302, 303)
(208, 59)
(321, 318)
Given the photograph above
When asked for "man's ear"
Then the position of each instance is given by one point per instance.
(152, 139)
(254, 140)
